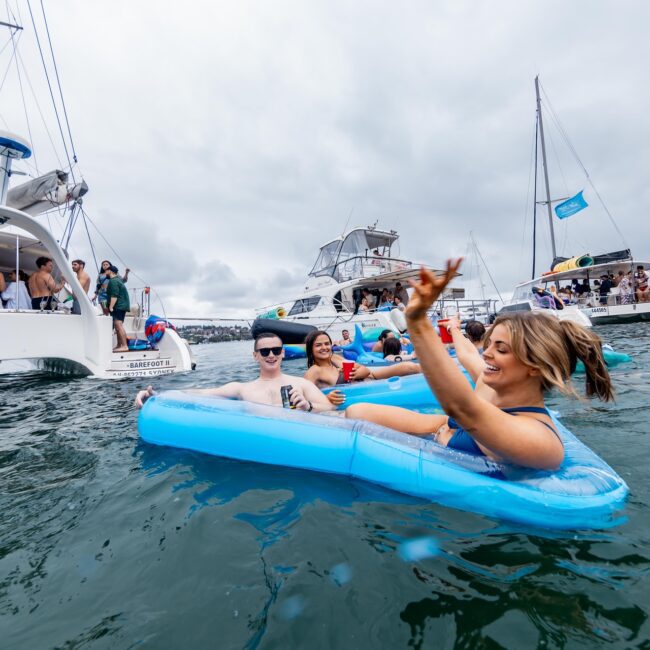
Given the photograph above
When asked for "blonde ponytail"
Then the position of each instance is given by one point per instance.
(585, 345)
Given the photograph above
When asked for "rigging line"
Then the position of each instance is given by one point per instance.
(58, 81)
(488, 272)
(22, 96)
(49, 85)
(135, 275)
(40, 112)
(70, 225)
(90, 241)
(584, 169)
(13, 54)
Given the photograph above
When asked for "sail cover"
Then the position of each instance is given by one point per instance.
(39, 194)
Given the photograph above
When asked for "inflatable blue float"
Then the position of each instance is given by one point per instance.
(585, 493)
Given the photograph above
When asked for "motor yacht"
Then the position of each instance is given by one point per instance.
(363, 259)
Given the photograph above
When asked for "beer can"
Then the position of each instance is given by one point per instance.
(284, 393)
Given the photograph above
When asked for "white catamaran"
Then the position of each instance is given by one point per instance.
(56, 339)
(590, 305)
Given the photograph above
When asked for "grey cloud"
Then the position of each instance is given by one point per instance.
(236, 153)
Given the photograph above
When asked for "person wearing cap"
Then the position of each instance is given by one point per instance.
(118, 305)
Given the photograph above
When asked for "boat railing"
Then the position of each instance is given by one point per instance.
(483, 310)
(364, 266)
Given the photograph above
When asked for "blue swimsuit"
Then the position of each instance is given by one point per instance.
(462, 441)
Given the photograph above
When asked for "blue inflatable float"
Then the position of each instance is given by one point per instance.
(585, 493)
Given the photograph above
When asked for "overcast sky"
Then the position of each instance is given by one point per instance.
(224, 142)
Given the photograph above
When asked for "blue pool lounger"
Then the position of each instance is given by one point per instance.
(585, 493)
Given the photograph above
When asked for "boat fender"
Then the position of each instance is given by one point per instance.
(399, 320)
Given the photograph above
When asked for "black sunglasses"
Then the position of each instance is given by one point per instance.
(266, 351)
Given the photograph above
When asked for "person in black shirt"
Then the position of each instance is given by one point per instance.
(605, 286)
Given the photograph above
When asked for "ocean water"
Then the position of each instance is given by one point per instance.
(106, 542)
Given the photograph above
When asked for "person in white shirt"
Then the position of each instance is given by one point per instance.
(19, 301)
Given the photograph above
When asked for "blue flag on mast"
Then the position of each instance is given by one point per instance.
(571, 206)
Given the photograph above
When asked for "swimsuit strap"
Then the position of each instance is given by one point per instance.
(532, 409)
(452, 424)
(527, 409)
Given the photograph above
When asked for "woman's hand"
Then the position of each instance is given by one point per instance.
(429, 289)
(454, 323)
(143, 396)
(336, 397)
(359, 372)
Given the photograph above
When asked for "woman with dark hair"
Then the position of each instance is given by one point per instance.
(324, 368)
(102, 285)
(525, 355)
(393, 350)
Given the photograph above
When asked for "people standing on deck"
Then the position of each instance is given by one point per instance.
(617, 280)
(15, 293)
(102, 283)
(42, 285)
(604, 288)
(401, 293)
(79, 268)
(641, 284)
(369, 298)
(118, 305)
(625, 289)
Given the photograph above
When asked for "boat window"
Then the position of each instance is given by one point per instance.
(304, 305)
(523, 306)
(524, 292)
(326, 259)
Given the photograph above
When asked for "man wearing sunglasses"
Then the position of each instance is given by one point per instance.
(268, 352)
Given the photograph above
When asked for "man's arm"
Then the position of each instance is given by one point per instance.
(305, 394)
(231, 390)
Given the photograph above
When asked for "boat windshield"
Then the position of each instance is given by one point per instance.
(347, 258)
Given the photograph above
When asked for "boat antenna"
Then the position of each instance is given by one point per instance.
(348, 221)
(548, 191)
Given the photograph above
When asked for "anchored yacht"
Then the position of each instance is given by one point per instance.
(55, 339)
(362, 259)
(58, 340)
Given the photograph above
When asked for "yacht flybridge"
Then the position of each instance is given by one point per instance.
(361, 259)
(58, 340)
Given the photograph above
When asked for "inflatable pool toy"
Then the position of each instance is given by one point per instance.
(411, 391)
(287, 331)
(578, 262)
(295, 351)
(612, 358)
(361, 351)
(585, 493)
(275, 314)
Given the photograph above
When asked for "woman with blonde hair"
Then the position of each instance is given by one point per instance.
(525, 355)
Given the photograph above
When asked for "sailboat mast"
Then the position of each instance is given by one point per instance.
(548, 191)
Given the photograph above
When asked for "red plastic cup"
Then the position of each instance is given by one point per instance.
(445, 336)
(347, 369)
